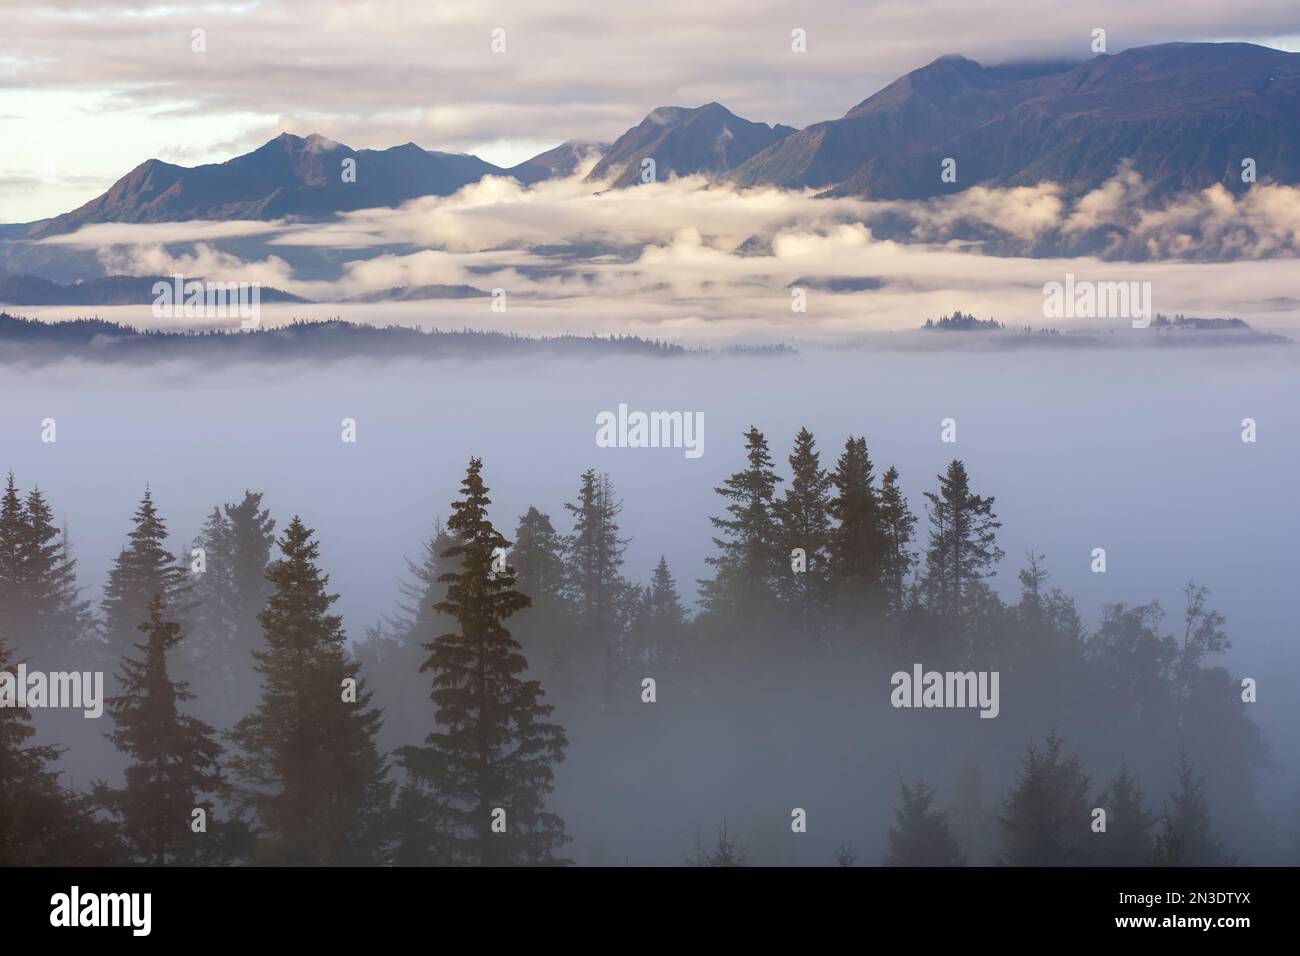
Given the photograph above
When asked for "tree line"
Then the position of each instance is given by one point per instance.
(251, 731)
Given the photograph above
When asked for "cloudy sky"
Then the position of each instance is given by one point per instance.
(88, 90)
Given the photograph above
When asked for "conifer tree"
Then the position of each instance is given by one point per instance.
(174, 768)
(803, 517)
(726, 851)
(309, 763)
(12, 526)
(547, 629)
(39, 597)
(41, 821)
(858, 545)
(750, 559)
(963, 545)
(920, 835)
(1047, 817)
(58, 618)
(538, 557)
(491, 755)
(144, 569)
(898, 525)
(1187, 837)
(393, 649)
(1127, 840)
(659, 633)
(596, 588)
(237, 541)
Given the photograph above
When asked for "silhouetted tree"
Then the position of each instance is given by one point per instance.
(725, 851)
(659, 633)
(547, 630)
(858, 544)
(41, 821)
(1047, 816)
(174, 769)
(898, 525)
(595, 586)
(920, 835)
(803, 517)
(963, 546)
(1127, 840)
(750, 559)
(1186, 837)
(144, 569)
(309, 764)
(237, 540)
(490, 758)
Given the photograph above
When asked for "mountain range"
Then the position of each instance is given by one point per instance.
(1184, 115)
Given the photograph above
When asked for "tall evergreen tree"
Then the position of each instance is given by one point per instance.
(963, 546)
(596, 588)
(39, 596)
(1047, 817)
(659, 633)
(898, 525)
(144, 569)
(491, 755)
(174, 768)
(750, 559)
(803, 518)
(41, 821)
(1127, 840)
(547, 629)
(920, 835)
(12, 527)
(1187, 837)
(858, 543)
(393, 649)
(311, 770)
(237, 540)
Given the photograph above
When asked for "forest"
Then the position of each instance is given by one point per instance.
(526, 703)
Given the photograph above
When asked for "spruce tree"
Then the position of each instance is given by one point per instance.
(750, 560)
(174, 768)
(920, 835)
(491, 755)
(1127, 840)
(858, 544)
(659, 632)
(547, 629)
(237, 540)
(726, 851)
(1047, 818)
(1187, 837)
(803, 517)
(39, 597)
(12, 527)
(144, 569)
(308, 760)
(596, 588)
(898, 525)
(963, 546)
(58, 617)
(393, 649)
(41, 821)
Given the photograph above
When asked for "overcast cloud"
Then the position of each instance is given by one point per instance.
(122, 76)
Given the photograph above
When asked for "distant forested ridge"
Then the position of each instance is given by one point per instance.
(97, 340)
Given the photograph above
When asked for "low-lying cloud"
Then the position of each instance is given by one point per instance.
(686, 254)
